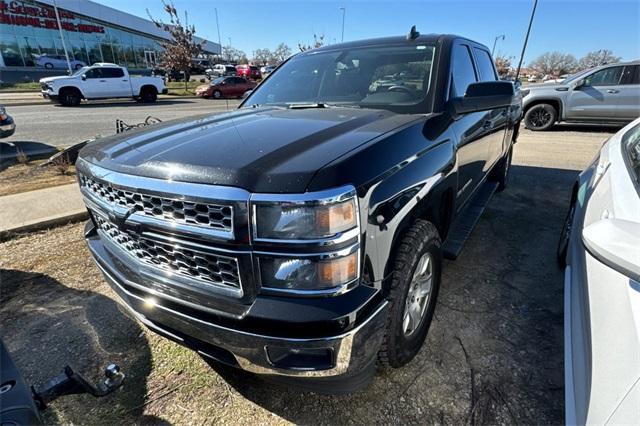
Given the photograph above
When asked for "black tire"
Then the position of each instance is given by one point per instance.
(48, 66)
(217, 94)
(400, 347)
(69, 97)
(540, 117)
(565, 235)
(148, 95)
(500, 172)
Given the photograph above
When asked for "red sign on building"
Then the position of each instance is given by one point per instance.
(25, 15)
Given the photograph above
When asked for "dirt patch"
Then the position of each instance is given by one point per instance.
(494, 354)
(31, 176)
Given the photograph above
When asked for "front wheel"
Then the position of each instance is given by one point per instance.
(540, 117)
(69, 97)
(217, 94)
(414, 290)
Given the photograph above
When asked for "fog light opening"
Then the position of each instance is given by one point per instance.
(301, 358)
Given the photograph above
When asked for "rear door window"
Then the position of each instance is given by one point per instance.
(485, 65)
(462, 71)
(112, 73)
(630, 75)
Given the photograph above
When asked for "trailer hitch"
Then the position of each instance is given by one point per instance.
(70, 383)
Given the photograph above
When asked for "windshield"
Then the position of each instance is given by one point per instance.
(80, 71)
(575, 76)
(395, 78)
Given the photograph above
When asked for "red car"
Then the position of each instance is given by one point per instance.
(225, 87)
(248, 71)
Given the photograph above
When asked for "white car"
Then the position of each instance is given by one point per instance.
(221, 70)
(600, 245)
(58, 61)
(101, 81)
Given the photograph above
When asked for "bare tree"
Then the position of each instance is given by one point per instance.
(232, 54)
(281, 53)
(554, 63)
(597, 58)
(179, 51)
(503, 65)
(317, 42)
(262, 56)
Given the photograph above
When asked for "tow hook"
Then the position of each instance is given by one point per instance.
(70, 383)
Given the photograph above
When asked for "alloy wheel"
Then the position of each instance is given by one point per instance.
(418, 295)
(540, 117)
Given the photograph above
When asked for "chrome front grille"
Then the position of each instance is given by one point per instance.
(206, 215)
(206, 267)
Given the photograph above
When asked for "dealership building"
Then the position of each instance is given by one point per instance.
(32, 43)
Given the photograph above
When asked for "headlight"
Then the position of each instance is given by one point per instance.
(305, 220)
(306, 274)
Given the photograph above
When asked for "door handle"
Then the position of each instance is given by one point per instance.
(125, 80)
(103, 81)
(486, 124)
(612, 91)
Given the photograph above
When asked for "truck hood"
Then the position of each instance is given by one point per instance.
(60, 77)
(261, 150)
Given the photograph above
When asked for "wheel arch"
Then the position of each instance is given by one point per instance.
(148, 87)
(73, 88)
(555, 102)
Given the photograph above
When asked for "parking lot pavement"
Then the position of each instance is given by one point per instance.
(494, 353)
(60, 126)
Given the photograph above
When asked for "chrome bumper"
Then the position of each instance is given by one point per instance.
(352, 351)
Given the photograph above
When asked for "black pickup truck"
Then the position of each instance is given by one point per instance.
(301, 236)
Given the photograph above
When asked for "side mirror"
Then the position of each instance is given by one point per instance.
(83, 77)
(615, 243)
(483, 96)
(246, 94)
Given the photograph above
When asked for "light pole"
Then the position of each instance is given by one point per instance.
(344, 11)
(218, 27)
(501, 36)
(64, 46)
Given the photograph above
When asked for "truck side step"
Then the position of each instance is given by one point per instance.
(462, 227)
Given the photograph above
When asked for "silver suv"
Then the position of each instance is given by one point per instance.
(606, 94)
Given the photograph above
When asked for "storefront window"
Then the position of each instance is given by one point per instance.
(10, 51)
(93, 50)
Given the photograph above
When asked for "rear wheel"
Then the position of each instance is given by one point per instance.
(414, 290)
(540, 117)
(69, 97)
(148, 94)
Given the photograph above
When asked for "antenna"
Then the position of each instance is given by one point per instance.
(526, 39)
(413, 34)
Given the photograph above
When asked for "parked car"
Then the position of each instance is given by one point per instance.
(600, 246)
(100, 81)
(248, 71)
(58, 61)
(302, 235)
(267, 69)
(225, 87)
(7, 125)
(531, 79)
(606, 94)
(221, 70)
(199, 66)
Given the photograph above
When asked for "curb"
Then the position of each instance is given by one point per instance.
(46, 223)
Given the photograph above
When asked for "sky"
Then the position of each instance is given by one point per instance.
(575, 27)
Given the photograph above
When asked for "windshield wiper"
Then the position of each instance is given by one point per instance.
(320, 105)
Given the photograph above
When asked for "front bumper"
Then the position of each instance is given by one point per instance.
(165, 91)
(347, 353)
(49, 94)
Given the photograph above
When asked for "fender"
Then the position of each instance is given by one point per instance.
(73, 88)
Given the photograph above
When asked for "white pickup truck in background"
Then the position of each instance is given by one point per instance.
(101, 81)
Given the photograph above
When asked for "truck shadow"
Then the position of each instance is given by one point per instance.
(47, 325)
(127, 103)
(494, 353)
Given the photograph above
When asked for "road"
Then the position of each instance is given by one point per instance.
(50, 124)
(494, 353)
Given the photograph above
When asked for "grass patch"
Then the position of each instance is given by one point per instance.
(20, 87)
(29, 176)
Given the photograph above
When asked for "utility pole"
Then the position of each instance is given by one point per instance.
(344, 11)
(64, 46)
(526, 39)
(218, 27)
(501, 36)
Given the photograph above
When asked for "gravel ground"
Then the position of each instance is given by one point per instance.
(494, 353)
